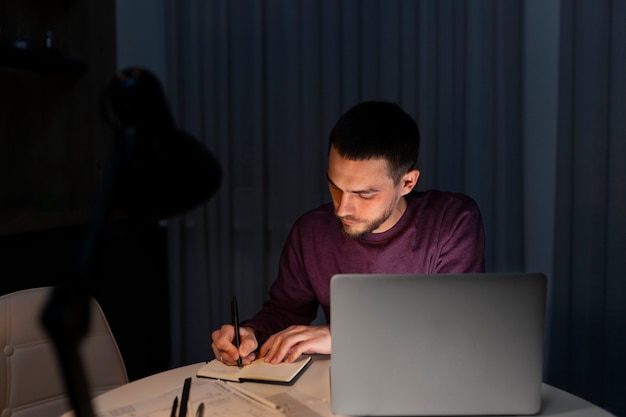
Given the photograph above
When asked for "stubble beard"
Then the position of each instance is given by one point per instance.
(368, 227)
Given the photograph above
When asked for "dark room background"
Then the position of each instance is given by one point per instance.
(521, 105)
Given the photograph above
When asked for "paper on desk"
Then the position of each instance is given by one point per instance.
(158, 406)
(298, 404)
(218, 399)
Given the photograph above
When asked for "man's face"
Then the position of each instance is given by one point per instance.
(365, 198)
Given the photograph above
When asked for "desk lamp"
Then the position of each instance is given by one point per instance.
(155, 171)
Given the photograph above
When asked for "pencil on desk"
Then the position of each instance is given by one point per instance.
(254, 396)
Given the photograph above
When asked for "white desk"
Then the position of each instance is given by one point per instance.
(314, 382)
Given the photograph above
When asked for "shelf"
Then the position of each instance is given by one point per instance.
(39, 62)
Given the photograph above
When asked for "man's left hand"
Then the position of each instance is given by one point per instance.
(289, 344)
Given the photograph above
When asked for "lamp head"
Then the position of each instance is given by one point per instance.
(163, 171)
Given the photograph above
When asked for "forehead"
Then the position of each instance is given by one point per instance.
(350, 175)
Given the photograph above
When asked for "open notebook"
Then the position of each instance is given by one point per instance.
(457, 344)
(258, 371)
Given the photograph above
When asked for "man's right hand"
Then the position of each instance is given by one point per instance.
(224, 349)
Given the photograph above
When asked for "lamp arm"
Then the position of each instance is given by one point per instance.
(66, 315)
(150, 155)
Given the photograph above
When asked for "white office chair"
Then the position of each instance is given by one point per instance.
(31, 383)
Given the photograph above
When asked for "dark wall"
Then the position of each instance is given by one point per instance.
(130, 283)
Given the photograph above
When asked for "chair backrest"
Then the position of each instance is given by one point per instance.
(31, 383)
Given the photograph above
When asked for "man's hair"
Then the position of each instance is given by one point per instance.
(378, 130)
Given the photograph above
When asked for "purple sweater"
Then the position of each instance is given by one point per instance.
(440, 232)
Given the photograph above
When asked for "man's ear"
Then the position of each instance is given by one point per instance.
(409, 180)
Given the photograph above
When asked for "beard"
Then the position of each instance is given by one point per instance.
(363, 227)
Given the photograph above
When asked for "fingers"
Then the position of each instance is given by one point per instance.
(224, 349)
(289, 344)
(222, 345)
(248, 345)
(280, 344)
(283, 347)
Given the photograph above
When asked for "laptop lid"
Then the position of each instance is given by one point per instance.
(451, 344)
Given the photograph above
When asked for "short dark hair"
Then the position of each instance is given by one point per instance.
(378, 129)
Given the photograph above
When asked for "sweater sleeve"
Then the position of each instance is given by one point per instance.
(292, 299)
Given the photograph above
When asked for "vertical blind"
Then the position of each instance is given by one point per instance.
(589, 313)
(261, 82)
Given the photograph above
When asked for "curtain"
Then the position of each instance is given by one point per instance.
(588, 329)
(261, 83)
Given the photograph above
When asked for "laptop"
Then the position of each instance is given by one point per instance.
(450, 344)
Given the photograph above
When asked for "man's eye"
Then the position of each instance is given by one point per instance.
(366, 196)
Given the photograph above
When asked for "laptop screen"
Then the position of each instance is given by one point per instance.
(451, 344)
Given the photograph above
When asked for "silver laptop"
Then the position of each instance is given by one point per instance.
(451, 344)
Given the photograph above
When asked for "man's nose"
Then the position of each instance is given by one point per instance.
(346, 205)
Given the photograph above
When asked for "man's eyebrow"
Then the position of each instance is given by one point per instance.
(367, 191)
(331, 181)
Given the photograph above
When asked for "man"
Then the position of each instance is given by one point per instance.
(376, 223)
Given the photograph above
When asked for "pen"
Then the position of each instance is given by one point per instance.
(185, 399)
(235, 316)
(200, 411)
(174, 407)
